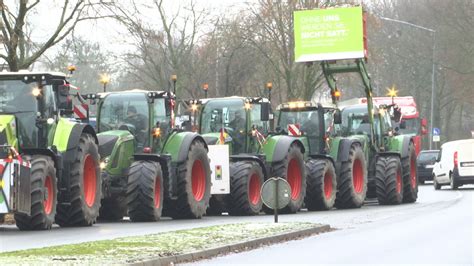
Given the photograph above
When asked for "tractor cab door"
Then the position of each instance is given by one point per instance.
(161, 123)
(259, 126)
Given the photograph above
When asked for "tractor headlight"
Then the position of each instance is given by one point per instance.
(102, 165)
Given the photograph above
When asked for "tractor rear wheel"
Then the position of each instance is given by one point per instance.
(321, 185)
(43, 196)
(388, 180)
(293, 169)
(194, 185)
(246, 180)
(85, 192)
(145, 191)
(113, 209)
(352, 180)
(410, 182)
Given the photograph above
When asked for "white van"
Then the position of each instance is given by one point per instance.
(455, 164)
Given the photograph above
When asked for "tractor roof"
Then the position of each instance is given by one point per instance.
(156, 94)
(252, 99)
(23, 73)
(304, 106)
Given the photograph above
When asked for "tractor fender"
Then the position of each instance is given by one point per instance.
(344, 149)
(179, 143)
(324, 157)
(281, 147)
(248, 157)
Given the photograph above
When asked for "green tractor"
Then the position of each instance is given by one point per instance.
(326, 154)
(243, 126)
(391, 156)
(149, 168)
(49, 165)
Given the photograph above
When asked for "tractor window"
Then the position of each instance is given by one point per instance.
(126, 112)
(159, 116)
(16, 98)
(225, 113)
(261, 126)
(49, 101)
(355, 121)
(413, 126)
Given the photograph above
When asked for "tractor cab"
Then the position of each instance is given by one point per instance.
(303, 118)
(28, 101)
(145, 114)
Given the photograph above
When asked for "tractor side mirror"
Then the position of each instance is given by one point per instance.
(337, 117)
(64, 99)
(265, 111)
(424, 124)
(403, 124)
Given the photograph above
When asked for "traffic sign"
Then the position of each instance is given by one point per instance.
(436, 131)
(276, 193)
(436, 138)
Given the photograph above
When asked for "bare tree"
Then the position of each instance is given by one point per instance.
(20, 51)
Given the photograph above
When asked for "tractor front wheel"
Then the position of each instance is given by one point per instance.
(194, 185)
(85, 193)
(145, 191)
(43, 196)
(410, 182)
(246, 180)
(388, 180)
(352, 180)
(321, 185)
(293, 169)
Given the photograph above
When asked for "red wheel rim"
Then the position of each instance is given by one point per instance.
(294, 179)
(399, 182)
(157, 198)
(48, 201)
(412, 173)
(198, 180)
(90, 180)
(254, 189)
(358, 176)
(328, 185)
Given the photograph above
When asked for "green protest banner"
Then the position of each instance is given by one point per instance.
(328, 34)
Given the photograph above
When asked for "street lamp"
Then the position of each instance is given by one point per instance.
(104, 80)
(174, 78)
(432, 70)
(205, 87)
(269, 87)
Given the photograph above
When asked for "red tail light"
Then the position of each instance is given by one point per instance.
(455, 158)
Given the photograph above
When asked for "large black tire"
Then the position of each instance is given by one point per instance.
(436, 185)
(216, 205)
(410, 180)
(43, 196)
(352, 180)
(388, 180)
(145, 191)
(194, 185)
(85, 194)
(293, 169)
(321, 185)
(113, 209)
(246, 180)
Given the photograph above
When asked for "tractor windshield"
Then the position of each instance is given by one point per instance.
(16, 98)
(307, 121)
(223, 113)
(355, 121)
(127, 111)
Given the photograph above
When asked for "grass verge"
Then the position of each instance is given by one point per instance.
(139, 248)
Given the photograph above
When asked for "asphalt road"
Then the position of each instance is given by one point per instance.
(437, 228)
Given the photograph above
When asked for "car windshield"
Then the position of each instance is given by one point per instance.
(428, 156)
(223, 113)
(17, 97)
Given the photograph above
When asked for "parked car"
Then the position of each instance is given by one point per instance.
(455, 164)
(425, 162)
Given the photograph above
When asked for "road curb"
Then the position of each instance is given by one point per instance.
(244, 245)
